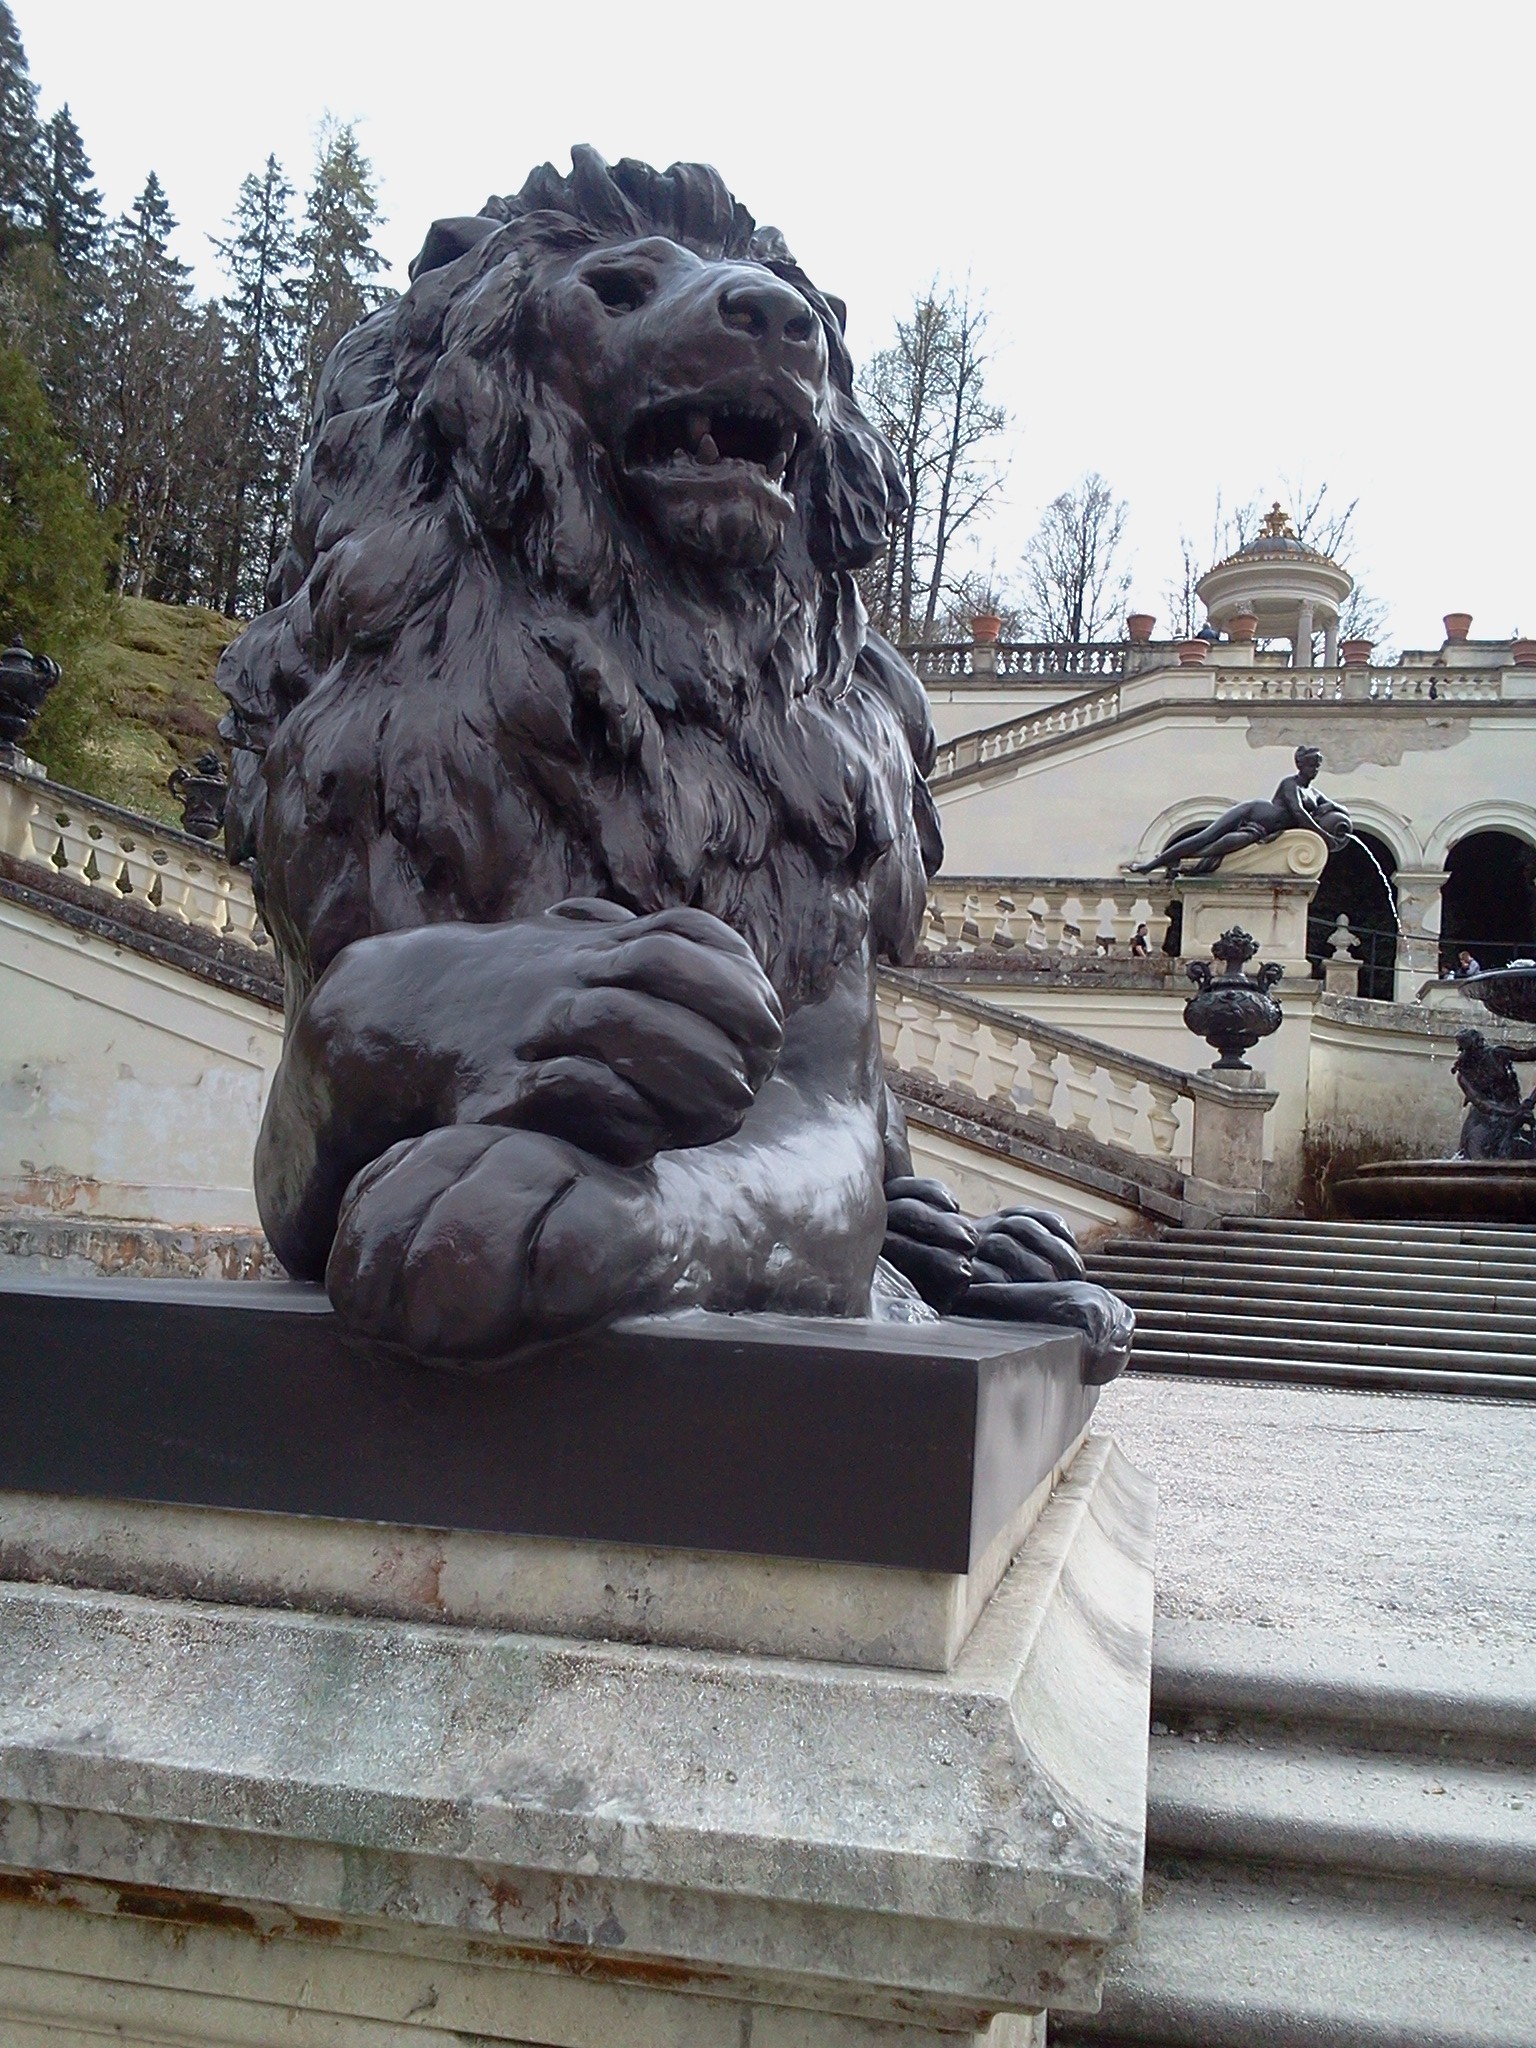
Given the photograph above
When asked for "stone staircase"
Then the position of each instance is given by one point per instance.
(1432, 1308)
(1341, 1851)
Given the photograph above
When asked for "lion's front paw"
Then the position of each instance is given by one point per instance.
(1028, 1269)
(650, 1034)
(472, 1243)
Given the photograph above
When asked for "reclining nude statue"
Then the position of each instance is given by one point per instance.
(582, 803)
(1294, 807)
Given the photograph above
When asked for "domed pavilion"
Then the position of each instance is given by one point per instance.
(1289, 589)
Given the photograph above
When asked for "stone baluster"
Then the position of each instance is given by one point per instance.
(1083, 1072)
(1042, 1077)
(1163, 1119)
(1122, 920)
(923, 1034)
(1120, 1098)
(964, 1049)
(136, 871)
(1003, 1054)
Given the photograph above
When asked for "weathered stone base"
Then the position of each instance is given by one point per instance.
(225, 1825)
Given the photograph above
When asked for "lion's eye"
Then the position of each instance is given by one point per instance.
(622, 288)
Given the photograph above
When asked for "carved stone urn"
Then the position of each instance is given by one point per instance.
(201, 790)
(1233, 1011)
(25, 680)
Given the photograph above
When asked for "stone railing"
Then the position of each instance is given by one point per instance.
(1359, 685)
(127, 858)
(1163, 682)
(956, 661)
(1015, 735)
(1024, 1064)
(1038, 915)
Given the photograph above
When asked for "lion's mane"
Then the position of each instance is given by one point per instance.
(481, 688)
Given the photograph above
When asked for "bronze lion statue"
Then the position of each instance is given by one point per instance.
(582, 803)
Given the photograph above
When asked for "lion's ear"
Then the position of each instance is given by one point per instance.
(838, 309)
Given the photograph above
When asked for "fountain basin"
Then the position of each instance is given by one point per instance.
(1440, 1190)
(1509, 992)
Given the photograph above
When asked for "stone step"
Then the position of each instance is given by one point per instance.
(1233, 1958)
(1414, 1233)
(1396, 1691)
(1296, 1340)
(1173, 1285)
(1305, 1268)
(1270, 1798)
(1432, 1314)
(1341, 1848)
(1392, 1328)
(1225, 1283)
(1515, 1253)
(1395, 1378)
(1227, 1253)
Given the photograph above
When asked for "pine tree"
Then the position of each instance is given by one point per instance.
(260, 317)
(72, 222)
(22, 175)
(148, 371)
(54, 545)
(338, 261)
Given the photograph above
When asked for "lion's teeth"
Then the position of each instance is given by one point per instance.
(698, 427)
(778, 464)
(706, 451)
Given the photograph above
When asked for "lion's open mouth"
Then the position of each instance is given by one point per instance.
(702, 436)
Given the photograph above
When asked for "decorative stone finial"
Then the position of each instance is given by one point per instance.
(1276, 523)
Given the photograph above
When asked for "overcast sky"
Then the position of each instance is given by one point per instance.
(1222, 245)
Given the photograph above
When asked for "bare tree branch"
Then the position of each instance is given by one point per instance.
(1074, 586)
(927, 395)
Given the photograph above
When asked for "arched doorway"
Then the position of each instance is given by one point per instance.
(1488, 904)
(1352, 883)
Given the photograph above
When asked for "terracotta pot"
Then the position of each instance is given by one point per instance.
(1524, 652)
(1243, 626)
(985, 627)
(1193, 652)
(1457, 626)
(1139, 626)
(1356, 653)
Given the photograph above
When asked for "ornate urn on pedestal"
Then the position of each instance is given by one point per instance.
(201, 790)
(25, 680)
(1232, 1012)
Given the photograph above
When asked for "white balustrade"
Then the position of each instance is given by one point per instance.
(1042, 915)
(1168, 682)
(126, 858)
(1359, 685)
(1013, 735)
(953, 661)
(1022, 1063)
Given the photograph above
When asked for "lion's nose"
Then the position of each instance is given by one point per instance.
(768, 310)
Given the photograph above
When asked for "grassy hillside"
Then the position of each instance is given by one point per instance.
(134, 704)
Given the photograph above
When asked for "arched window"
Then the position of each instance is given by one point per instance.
(1488, 904)
(1361, 888)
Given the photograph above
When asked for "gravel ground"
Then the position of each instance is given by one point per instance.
(1341, 1514)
